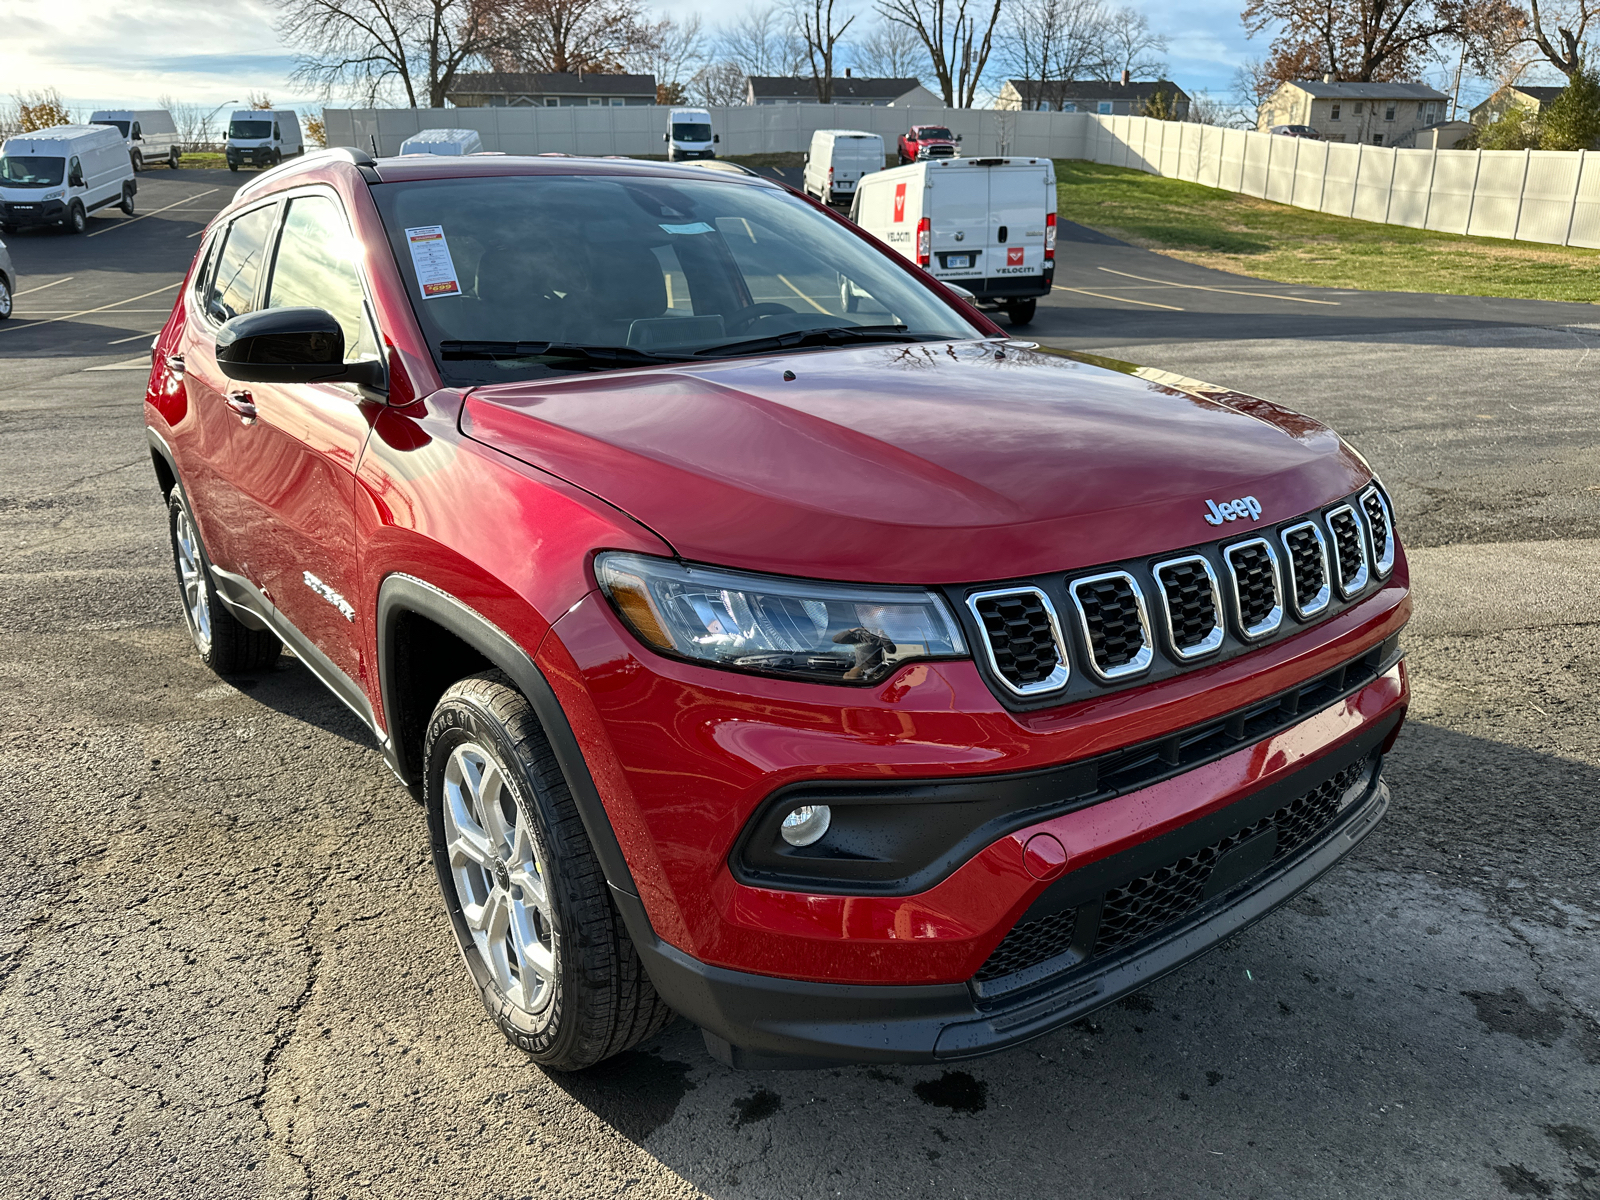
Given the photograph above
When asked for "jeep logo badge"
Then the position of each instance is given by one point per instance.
(1245, 506)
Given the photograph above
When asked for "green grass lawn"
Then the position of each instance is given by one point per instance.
(1219, 229)
(202, 160)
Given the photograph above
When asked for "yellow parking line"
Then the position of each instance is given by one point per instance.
(8, 326)
(1200, 287)
(142, 216)
(803, 296)
(1120, 299)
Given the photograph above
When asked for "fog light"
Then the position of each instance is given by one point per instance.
(806, 824)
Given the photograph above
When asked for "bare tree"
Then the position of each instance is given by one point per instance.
(950, 32)
(1050, 42)
(1559, 31)
(764, 42)
(719, 83)
(816, 22)
(369, 47)
(569, 35)
(1206, 109)
(1131, 47)
(674, 52)
(891, 51)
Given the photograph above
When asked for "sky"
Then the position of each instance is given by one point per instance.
(215, 52)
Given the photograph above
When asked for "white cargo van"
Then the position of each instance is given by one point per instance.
(259, 137)
(58, 176)
(988, 224)
(836, 162)
(443, 141)
(150, 134)
(690, 135)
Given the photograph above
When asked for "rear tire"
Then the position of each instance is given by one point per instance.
(173, 156)
(126, 203)
(5, 298)
(1021, 311)
(77, 220)
(531, 910)
(225, 644)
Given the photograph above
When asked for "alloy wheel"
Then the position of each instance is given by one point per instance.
(502, 888)
(191, 577)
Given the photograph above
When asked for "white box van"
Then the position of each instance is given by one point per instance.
(690, 135)
(259, 137)
(988, 224)
(837, 160)
(150, 134)
(58, 176)
(443, 141)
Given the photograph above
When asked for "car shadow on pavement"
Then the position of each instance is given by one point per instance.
(289, 687)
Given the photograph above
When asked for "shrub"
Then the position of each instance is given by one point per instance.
(1572, 120)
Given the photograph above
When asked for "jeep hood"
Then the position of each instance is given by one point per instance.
(930, 463)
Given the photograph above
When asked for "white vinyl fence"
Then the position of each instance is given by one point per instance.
(1529, 195)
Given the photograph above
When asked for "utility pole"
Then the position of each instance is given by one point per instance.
(1455, 98)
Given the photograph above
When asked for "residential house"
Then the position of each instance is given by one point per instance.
(1375, 114)
(851, 89)
(515, 89)
(1532, 99)
(1110, 98)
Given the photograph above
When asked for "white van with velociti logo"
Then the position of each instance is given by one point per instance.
(988, 224)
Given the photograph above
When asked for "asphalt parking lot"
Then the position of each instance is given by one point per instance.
(224, 967)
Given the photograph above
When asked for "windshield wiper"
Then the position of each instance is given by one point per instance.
(831, 336)
(608, 356)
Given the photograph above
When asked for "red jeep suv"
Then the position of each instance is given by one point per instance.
(862, 685)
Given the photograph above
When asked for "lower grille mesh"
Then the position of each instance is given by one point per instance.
(1142, 906)
(1021, 635)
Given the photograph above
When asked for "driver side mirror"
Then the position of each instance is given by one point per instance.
(291, 345)
(716, 137)
(958, 137)
(75, 179)
(666, 137)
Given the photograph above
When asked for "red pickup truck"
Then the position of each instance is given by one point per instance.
(927, 141)
(861, 685)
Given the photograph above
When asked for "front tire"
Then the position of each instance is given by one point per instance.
(137, 160)
(77, 220)
(530, 907)
(5, 298)
(225, 643)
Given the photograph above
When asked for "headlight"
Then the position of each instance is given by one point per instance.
(823, 632)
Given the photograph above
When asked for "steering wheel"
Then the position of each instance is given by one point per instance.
(741, 320)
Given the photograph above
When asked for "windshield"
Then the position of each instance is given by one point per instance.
(240, 130)
(932, 133)
(683, 131)
(511, 277)
(20, 171)
(120, 126)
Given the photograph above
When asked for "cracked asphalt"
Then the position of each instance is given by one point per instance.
(225, 970)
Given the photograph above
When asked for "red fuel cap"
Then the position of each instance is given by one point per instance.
(1044, 856)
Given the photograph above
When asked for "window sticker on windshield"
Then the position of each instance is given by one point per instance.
(697, 227)
(430, 254)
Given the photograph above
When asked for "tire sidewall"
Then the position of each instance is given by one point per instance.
(138, 161)
(457, 720)
(77, 219)
(174, 506)
(5, 300)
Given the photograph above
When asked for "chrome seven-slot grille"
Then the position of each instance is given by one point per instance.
(1247, 587)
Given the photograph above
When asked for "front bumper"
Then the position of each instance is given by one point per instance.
(23, 213)
(760, 1022)
(255, 157)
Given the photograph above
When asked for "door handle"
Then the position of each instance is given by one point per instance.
(175, 365)
(243, 404)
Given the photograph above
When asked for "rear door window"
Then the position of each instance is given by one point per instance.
(315, 267)
(233, 292)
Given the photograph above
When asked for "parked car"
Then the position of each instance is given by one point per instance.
(150, 134)
(986, 223)
(8, 283)
(862, 686)
(837, 161)
(927, 141)
(262, 138)
(58, 176)
(690, 135)
(1297, 131)
(443, 141)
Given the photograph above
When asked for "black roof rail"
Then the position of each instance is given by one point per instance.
(359, 157)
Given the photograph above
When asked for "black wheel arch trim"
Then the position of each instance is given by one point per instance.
(400, 594)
